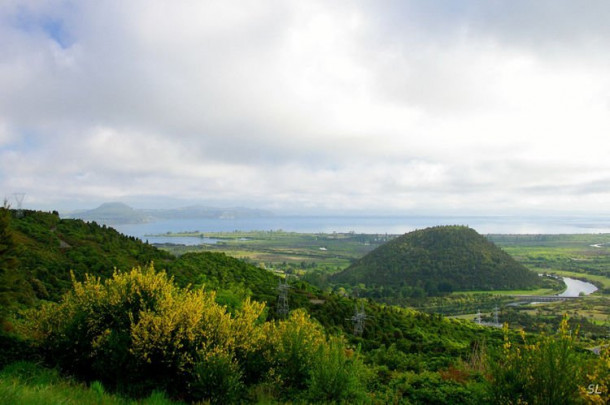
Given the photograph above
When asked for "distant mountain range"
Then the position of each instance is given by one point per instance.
(114, 213)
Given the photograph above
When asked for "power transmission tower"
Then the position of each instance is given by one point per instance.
(19, 199)
(496, 315)
(282, 299)
(358, 319)
(477, 319)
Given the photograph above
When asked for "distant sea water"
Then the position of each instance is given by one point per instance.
(395, 225)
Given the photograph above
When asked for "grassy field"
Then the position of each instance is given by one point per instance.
(599, 280)
(583, 256)
(537, 291)
(293, 251)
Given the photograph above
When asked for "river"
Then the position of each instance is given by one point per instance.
(576, 287)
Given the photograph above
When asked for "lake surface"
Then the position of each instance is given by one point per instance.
(374, 224)
(177, 240)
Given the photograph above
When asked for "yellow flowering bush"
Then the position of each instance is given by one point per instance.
(291, 346)
(597, 389)
(137, 332)
(547, 371)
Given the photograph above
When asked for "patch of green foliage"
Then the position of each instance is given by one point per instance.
(217, 271)
(26, 383)
(14, 287)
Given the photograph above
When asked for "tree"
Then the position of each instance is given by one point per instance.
(9, 277)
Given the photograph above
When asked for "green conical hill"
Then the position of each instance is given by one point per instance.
(439, 259)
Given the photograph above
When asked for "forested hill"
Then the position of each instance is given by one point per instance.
(436, 260)
(45, 250)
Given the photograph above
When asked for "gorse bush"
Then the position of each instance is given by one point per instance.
(138, 331)
(548, 371)
(336, 376)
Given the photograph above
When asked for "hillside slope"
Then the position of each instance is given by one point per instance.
(49, 248)
(436, 260)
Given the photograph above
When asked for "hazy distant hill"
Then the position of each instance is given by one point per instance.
(112, 213)
(439, 259)
(118, 213)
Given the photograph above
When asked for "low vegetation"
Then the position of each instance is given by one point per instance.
(137, 332)
(205, 329)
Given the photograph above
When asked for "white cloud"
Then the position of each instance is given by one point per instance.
(288, 104)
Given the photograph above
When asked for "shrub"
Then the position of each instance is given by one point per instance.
(335, 376)
(429, 388)
(291, 348)
(218, 377)
(549, 371)
(137, 331)
(597, 388)
(304, 362)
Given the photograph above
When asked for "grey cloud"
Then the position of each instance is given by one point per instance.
(312, 104)
(563, 23)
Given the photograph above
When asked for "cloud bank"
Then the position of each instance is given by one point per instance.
(391, 106)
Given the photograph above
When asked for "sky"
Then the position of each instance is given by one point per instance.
(445, 107)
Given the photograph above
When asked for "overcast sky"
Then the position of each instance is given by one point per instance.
(445, 107)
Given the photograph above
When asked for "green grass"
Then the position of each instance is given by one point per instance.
(26, 383)
(537, 291)
(583, 256)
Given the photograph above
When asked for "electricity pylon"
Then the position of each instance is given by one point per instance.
(282, 299)
(19, 199)
(358, 319)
